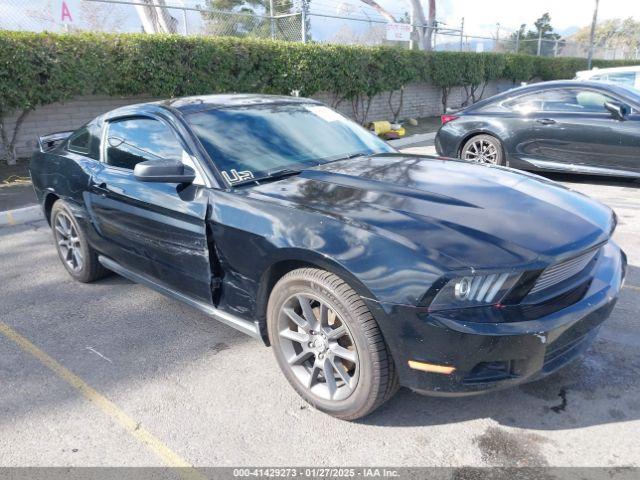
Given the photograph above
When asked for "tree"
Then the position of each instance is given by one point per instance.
(425, 31)
(613, 33)
(155, 17)
(528, 42)
(252, 20)
(426, 26)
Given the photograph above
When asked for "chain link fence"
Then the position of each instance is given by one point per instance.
(293, 20)
(130, 16)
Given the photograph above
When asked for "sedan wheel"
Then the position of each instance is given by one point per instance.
(328, 344)
(483, 149)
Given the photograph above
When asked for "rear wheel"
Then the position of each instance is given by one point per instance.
(77, 256)
(483, 149)
(328, 344)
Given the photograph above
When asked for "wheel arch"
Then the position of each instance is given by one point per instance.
(49, 199)
(293, 260)
(476, 133)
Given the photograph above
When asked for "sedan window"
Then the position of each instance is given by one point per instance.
(628, 78)
(576, 100)
(569, 100)
(526, 103)
(136, 140)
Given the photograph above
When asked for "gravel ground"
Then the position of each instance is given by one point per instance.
(214, 397)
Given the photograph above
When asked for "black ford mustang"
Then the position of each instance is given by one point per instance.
(362, 267)
(563, 126)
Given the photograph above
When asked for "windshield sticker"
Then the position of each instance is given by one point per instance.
(235, 176)
(325, 113)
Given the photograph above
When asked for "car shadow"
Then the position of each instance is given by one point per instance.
(145, 335)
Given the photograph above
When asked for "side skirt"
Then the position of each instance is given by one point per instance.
(575, 168)
(245, 326)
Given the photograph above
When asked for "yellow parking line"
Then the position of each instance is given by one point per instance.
(168, 456)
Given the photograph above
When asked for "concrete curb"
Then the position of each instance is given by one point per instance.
(19, 216)
(412, 139)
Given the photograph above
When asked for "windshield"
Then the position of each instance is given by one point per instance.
(258, 141)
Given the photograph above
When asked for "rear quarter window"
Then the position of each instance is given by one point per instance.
(86, 141)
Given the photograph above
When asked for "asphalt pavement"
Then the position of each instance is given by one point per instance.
(112, 373)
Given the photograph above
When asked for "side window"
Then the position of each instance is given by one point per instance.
(561, 100)
(86, 141)
(628, 78)
(136, 140)
(525, 103)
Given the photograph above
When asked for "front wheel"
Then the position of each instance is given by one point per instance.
(328, 344)
(483, 149)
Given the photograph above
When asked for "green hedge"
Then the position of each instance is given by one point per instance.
(41, 68)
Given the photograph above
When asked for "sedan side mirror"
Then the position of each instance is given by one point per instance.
(618, 110)
(164, 171)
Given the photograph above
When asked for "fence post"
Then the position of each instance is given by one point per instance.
(413, 29)
(272, 20)
(540, 43)
(184, 19)
(303, 17)
(555, 48)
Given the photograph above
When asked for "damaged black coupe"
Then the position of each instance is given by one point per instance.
(364, 268)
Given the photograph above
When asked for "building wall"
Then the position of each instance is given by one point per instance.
(420, 100)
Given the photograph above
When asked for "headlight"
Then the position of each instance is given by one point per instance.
(474, 291)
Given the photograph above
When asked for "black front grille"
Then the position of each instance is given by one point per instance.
(552, 305)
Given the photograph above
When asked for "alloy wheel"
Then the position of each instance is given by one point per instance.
(481, 151)
(318, 347)
(68, 242)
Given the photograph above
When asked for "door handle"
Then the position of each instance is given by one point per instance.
(546, 121)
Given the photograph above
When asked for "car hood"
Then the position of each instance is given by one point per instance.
(476, 216)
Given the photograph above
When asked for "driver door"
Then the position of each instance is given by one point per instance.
(154, 229)
(574, 128)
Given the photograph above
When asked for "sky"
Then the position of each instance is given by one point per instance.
(481, 15)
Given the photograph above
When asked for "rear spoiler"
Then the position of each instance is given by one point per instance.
(51, 141)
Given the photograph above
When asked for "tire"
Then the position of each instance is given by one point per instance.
(74, 251)
(483, 149)
(346, 344)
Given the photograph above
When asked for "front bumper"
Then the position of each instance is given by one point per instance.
(489, 356)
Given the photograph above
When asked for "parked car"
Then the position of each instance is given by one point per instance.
(569, 126)
(362, 267)
(629, 76)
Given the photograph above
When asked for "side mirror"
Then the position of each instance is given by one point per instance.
(618, 110)
(164, 171)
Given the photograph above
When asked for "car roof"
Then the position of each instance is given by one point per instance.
(187, 105)
(199, 103)
(597, 71)
(533, 87)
